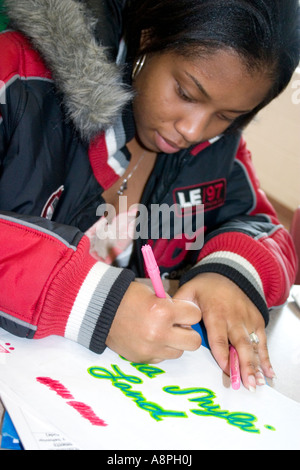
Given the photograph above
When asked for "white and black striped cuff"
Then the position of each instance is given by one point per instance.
(237, 269)
(96, 304)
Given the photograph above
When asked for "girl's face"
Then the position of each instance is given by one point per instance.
(180, 102)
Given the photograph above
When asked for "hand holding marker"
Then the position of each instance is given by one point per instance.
(154, 274)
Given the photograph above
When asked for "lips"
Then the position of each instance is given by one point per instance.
(164, 145)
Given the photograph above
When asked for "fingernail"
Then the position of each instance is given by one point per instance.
(260, 379)
(272, 373)
(251, 384)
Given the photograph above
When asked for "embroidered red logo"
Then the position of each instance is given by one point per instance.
(210, 195)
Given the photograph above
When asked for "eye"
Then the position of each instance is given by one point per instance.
(183, 95)
(225, 118)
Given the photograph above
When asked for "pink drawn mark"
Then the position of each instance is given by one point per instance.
(3, 350)
(56, 386)
(84, 410)
(87, 413)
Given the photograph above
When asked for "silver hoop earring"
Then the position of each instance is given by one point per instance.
(139, 64)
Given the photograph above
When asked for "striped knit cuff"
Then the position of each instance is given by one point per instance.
(96, 304)
(237, 269)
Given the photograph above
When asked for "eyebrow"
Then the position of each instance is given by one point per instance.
(204, 92)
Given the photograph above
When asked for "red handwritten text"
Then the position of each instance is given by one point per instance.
(87, 413)
(84, 410)
(56, 386)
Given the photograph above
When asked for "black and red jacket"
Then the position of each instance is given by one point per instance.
(57, 158)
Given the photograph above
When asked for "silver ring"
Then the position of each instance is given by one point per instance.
(254, 338)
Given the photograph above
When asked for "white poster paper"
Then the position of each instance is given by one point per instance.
(90, 401)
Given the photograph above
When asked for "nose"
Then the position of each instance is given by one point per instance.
(193, 126)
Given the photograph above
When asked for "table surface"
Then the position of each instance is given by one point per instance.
(283, 334)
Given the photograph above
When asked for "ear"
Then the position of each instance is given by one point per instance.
(145, 39)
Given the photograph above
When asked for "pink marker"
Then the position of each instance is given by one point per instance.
(235, 376)
(153, 271)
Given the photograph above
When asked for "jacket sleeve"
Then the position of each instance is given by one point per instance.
(251, 248)
(50, 285)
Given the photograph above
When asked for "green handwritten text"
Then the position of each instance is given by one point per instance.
(146, 369)
(122, 381)
(206, 403)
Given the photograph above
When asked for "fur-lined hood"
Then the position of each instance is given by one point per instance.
(63, 32)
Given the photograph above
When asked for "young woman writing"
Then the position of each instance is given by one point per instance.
(161, 128)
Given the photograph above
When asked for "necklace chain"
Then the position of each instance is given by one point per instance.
(124, 184)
